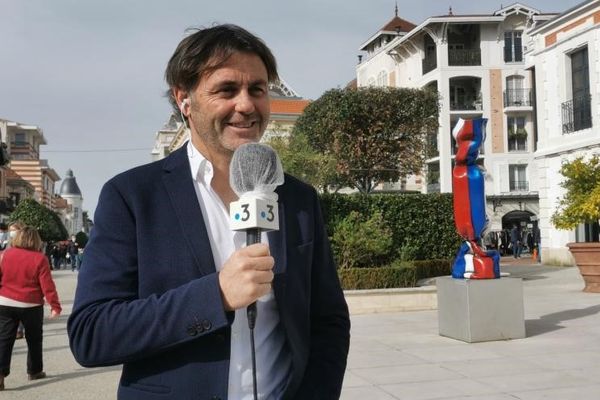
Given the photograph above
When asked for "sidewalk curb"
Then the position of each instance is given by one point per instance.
(391, 300)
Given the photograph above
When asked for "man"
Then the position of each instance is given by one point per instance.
(515, 239)
(173, 312)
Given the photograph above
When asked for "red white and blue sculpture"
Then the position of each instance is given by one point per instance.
(472, 260)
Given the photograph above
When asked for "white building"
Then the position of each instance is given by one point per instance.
(476, 64)
(564, 54)
(73, 215)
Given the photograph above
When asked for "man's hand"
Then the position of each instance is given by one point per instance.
(54, 314)
(246, 276)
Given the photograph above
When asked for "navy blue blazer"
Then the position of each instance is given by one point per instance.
(148, 295)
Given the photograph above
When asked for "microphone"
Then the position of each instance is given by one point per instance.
(254, 173)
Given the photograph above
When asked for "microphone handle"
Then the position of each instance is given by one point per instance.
(252, 237)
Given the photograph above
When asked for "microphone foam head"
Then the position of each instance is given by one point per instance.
(255, 167)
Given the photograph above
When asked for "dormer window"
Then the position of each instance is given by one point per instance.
(513, 46)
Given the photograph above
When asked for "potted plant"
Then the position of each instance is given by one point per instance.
(581, 204)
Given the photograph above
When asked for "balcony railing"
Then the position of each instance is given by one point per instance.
(429, 64)
(518, 98)
(519, 186)
(466, 103)
(458, 57)
(577, 114)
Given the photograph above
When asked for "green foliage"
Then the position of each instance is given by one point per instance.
(423, 223)
(358, 241)
(409, 250)
(375, 134)
(301, 160)
(581, 201)
(47, 222)
(398, 275)
(81, 238)
(377, 278)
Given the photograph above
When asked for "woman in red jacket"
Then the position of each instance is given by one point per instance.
(25, 281)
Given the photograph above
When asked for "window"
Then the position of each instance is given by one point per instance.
(513, 48)
(20, 138)
(577, 112)
(517, 135)
(516, 94)
(371, 82)
(382, 78)
(517, 175)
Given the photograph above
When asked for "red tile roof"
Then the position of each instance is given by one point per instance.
(399, 23)
(288, 106)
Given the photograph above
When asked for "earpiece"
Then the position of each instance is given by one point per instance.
(185, 102)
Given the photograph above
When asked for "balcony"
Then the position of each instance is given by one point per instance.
(429, 63)
(519, 186)
(577, 114)
(464, 57)
(466, 103)
(518, 98)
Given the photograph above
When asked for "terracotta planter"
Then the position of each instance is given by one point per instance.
(587, 258)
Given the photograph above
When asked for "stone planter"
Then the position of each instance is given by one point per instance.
(587, 258)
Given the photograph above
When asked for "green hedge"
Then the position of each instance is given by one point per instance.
(422, 224)
(399, 275)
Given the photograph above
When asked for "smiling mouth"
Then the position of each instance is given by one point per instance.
(242, 125)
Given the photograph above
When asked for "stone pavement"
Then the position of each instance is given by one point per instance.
(401, 355)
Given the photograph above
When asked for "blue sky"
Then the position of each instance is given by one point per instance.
(90, 73)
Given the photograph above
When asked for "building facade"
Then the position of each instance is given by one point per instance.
(564, 55)
(476, 64)
(24, 143)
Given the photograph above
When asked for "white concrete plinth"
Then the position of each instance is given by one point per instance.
(480, 310)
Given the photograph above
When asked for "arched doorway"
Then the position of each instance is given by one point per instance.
(527, 223)
(518, 217)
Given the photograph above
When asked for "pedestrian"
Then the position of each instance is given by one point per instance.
(515, 239)
(3, 235)
(25, 281)
(72, 251)
(13, 228)
(165, 283)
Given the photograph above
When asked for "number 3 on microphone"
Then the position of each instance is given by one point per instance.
(254, 213)
(245, 213)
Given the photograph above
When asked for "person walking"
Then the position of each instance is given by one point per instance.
(13, 228)
(25, 281)
(515, 239)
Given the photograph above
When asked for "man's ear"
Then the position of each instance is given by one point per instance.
(182, 100)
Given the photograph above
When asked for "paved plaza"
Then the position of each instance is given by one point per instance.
(400, 355)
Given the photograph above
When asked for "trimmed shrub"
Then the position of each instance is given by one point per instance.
(377, 278)
(422, 225)
(400, 274)
(358, 241)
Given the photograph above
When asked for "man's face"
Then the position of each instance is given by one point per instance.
(230, 106)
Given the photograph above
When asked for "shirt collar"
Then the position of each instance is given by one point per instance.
(201, 168)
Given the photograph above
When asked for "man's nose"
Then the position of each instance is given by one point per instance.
(244, 103)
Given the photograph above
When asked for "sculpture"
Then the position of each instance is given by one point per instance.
(472, 260)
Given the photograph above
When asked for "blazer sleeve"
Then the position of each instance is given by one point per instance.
(329, 323)
(111, 323)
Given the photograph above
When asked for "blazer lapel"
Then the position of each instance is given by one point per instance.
(180, 187)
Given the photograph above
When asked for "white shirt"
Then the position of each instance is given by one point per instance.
(273, 359)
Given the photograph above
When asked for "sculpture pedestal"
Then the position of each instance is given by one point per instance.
(480, 310)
